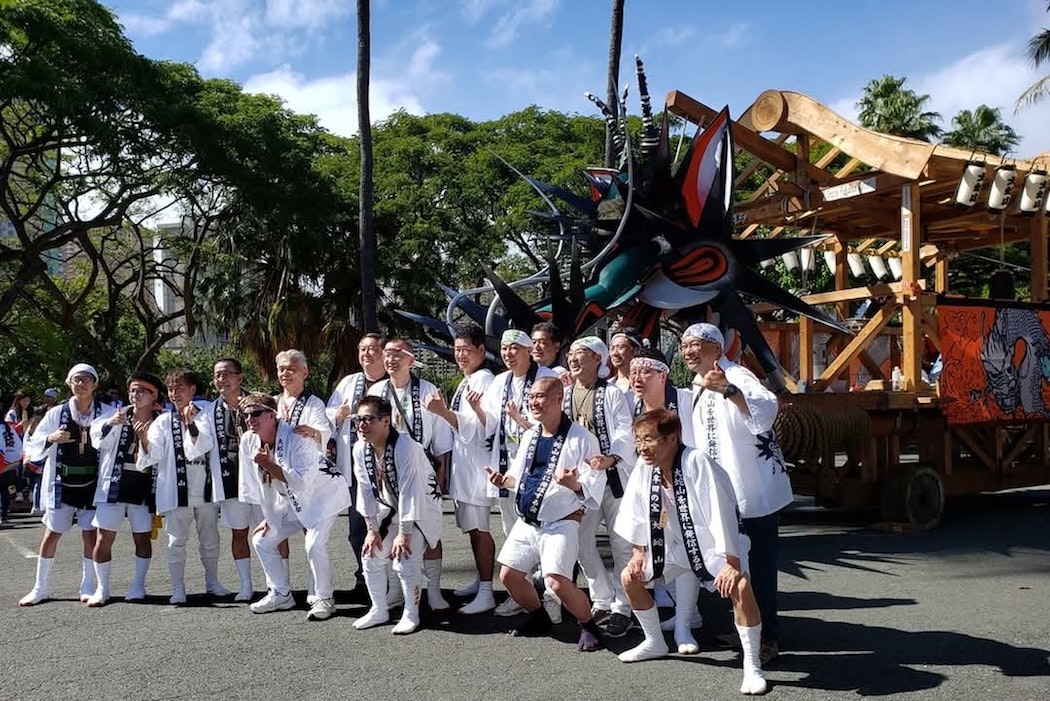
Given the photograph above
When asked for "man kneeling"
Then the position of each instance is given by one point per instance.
(554, 484)
(680, 514)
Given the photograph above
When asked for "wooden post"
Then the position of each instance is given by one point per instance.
(1038, 248)
(911, 312)
(805, 350)
(940, 275)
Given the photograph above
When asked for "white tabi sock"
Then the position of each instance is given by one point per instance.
(686, 589)
(88, 583)
(212, 585)
(437, 602)
(178, 583)
(661, 594)
(39, 590)
(244, 569)
(101, 595)
(751, 641)
(483, 601)
(137, 590)
(469, 590)
(410, 615)
(653, 646)
(376, 582)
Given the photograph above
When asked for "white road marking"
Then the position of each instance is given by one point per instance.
(22, 550)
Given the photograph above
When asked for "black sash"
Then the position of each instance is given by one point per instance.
(125, 451)
(77, 475)
(601, 428)
(390, 468)
(532, 513)
(457, 399)
(530, 377)
(228, 467)
(181, 480)
(685, 520)
(297, 407)
(416, 430)
(356, 394)
(279, 448)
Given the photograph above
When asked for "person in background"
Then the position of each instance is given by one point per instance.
(20, 412)
(10, 463)
(622, 348)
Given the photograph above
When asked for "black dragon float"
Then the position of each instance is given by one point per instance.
(652, 245)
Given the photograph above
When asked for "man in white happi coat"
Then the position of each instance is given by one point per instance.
(547, 340)
(650, 390)
(124, 491)
(553, 485)
(185, 485)
(601, 408)
(221, 428)
(398, 496)
(306, 413)
(504, 407)
(733, 416)
(680, 515)
(406, 393)
(296, 487)
(340, 408)
(70, 478)
(468, 483)
(623, 346)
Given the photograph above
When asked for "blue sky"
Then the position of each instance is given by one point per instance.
(486, 58)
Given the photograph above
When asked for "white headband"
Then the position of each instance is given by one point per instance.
(516, 336)
(705, 332)
(79, 368)
(598, 347)
(650, 363)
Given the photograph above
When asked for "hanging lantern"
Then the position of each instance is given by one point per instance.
(856, 264)
(970, 185)
(830, 260)
(1033, 193)
(790, 261)
(878, 266)
(896, 267)
(999, 193)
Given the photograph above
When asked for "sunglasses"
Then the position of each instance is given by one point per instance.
(255, 413)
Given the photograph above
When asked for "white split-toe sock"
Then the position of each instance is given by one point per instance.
(483, 600)
(751, 640)
(653, 646)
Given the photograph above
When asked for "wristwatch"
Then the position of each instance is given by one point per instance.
(730, 390)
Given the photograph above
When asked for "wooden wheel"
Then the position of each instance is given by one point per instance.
(913, 494)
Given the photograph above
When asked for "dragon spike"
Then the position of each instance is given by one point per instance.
(610, 121)
(650, 136)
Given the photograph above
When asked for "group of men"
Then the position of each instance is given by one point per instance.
(687, 482)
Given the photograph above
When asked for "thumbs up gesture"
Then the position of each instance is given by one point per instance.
(714, 379)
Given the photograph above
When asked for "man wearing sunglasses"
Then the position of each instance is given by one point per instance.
(288, 476)
(398, 497)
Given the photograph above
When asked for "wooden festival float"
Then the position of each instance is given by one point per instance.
(983, 426)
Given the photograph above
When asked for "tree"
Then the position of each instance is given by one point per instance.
(887, 107)
(364, 125)
(613, 71)
(982, 130)
(1039, 52)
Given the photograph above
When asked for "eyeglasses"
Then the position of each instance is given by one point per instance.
(696, 345)
(255, 413)
(366, 418)
(646, 441)
(139, 390)
(81, 379)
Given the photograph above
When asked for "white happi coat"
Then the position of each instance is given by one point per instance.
(745, 446)
(685, 406)
(469, 481)
(314, 415)
(470, 426)
(558, 501)
(418, 500)
(618, 424)
(107, 443)
(437, 434)
(162, 454)
(712, 506)
(10, 446)
(36, 447)
(345, 435)
(314, 490)
(206, 445)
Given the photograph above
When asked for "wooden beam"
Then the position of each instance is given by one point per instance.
(860, 342)
(1037, 234)
(805, 349)
(911, 316)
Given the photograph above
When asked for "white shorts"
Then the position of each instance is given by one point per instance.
(110, 516)
(471, 517)
(239, 515)
(554, 546)
(60, 520)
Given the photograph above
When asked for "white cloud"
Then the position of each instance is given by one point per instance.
(674, 36)
(310, 14)
(524, 13)
(735, 36)
(473, 10)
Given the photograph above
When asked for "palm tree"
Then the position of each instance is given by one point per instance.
(888, 107)
(1039, 52)
(982, 130)
(366, 229)
(615, 43)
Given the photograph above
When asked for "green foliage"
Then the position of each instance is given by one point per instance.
(888, 107)
(1038, 51)
(983, 129)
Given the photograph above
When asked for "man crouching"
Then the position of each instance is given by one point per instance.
(554, 485)
(296, 487)
(679, 512)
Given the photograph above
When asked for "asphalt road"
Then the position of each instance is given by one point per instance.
(960, 613)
